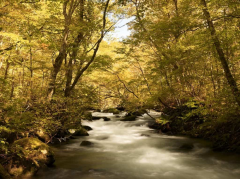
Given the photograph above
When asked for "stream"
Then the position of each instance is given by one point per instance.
(130, 150)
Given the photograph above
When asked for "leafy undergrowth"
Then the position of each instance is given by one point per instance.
(26, 129)
(195, 119)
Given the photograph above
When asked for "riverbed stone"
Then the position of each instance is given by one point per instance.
(86, 143)
(80, 132)
(129, 118)
(106, 119)
(96, 117)
(88, 128)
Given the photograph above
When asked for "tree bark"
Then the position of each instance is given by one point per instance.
(231, 81)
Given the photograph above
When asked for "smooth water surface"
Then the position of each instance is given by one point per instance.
(130, 150)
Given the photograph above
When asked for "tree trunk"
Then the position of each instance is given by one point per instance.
(73, 56)
(82, 70)
(231, 81)
(67, 12)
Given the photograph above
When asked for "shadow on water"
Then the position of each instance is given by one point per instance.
(130, 150)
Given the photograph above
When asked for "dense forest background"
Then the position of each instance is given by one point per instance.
(57, 61)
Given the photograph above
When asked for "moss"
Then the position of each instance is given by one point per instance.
(30, 155)
(79, 132)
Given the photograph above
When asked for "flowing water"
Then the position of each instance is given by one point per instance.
(130, 150)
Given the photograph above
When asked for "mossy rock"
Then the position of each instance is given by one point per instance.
(30, 155)
(79, 132)
(43, 136)
(3, 173)
(138, 112)
(86, 143)
(129, 118)
(111, 110)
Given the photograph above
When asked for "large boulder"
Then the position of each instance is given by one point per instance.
(30, 154)
(79, 132)
(138, 112)
(86, 143)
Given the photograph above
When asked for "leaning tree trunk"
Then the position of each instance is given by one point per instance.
(231, 81)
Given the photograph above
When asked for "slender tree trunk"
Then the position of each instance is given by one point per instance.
(6, 70)
(73, 56)
(12, 88)
(231, 81)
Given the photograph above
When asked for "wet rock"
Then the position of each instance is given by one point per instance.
(154, 125)
(106, 119)
(96, 118)
(88, 128)
(86, 143)
(102, 137)
(30, 155)
(145, 135)
(129, 118)
(80, 132)
(186, 147)
(121, 108)
(139, 112)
